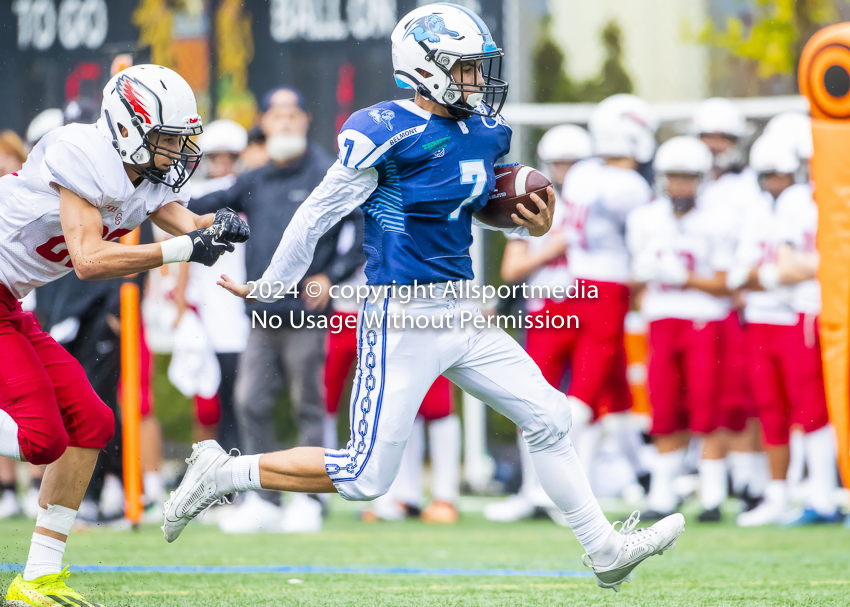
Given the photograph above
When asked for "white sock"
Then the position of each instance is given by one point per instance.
(821, 463)
(562, 476)
(154, 486)
(776, 494)
(713, 483)
(45, 557)
(407, 486)
(239, 474)
(625, 429)
(760, 475)
(329, 439)
(664, 470)
(741, 467)
(797, 464)
(9, 446)
(444, 448)
(583, 433)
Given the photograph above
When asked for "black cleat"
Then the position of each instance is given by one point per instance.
(712, 515)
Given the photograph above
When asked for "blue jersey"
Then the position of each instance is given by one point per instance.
(433, 174)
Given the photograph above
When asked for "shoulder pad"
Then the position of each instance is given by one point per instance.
(369, 135)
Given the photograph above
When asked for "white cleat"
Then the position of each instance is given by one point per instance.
(638, 545)
(9, 506)
(197, 490)
(511, 509)
(767, 513)
(302, 515)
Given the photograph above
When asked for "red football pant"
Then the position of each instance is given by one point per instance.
(342, 352)
(735, 400)
(595, 350)
(44, 389)
(682, 376)
(787, 378)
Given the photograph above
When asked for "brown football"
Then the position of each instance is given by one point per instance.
(514, 185)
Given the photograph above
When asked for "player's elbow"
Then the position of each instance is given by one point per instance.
(87, 270)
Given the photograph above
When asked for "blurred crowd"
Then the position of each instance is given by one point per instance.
(694, 370)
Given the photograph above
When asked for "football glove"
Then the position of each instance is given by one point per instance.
(233, 228)
(208, 245)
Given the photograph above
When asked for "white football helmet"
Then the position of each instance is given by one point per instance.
(151, 99)
(771, 154)
(43, 123)
(429, 40)
(683, 154)
(223, 136)
(623, 126)
(718, 116)
(796, 129)
(566, 142)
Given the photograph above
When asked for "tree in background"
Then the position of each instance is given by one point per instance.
(552, 83)
(764, 43)
(235, 51)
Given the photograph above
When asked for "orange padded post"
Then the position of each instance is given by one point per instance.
(131, 409)
(824, 78)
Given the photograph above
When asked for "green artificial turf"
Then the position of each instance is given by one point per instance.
(713, 565)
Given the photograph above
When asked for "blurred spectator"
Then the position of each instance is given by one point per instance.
(12, 153)
(255, 154)
(269, 197)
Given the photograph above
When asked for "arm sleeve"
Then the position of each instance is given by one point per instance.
(212, 202)
(515, 232)
(341, 191)
(68, 166)
(346, 262)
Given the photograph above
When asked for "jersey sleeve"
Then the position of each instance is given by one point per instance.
(365, 141)
(623, 191)
(341, 191)
(68, 166)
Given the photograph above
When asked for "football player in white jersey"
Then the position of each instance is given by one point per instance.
(599, 193)
(784, 349)
(418, 206)
(543, 261)
(680, 253)
(82, 187)
(731, 186)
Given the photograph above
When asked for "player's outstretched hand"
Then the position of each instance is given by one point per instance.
(237, 289)
(207, 245)
(537, 224)
(233, 228)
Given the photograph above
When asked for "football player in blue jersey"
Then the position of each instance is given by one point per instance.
(419, 169)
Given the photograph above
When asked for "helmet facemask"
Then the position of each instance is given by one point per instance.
(484, 98)
(184, 164)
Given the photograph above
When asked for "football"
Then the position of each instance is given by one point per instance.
(514, 185)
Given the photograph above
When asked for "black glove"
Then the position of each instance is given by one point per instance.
(233, 228)
(207, 245)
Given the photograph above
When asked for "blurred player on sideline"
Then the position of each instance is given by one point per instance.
(224, 322)
(680, 254)
(599, 194)
(543, 261)
(420, 168)
(82, 187)
(732, 187)
(785, 365)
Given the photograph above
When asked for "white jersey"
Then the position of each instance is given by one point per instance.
(598, 198)
(799, 214)
(732, 192)
(768, 225)
(556, 271)
(700, 240)
(79, 158)
(222, 315)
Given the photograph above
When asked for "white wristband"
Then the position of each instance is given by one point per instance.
(176, 249)
(769, 276)
(736, 277)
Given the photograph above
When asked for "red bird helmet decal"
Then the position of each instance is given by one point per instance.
(139, 98)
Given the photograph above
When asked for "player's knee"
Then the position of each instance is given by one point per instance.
(99, 426)
(551, 423)
(45, 448)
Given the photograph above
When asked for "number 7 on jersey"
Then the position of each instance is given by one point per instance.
(471, 171)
